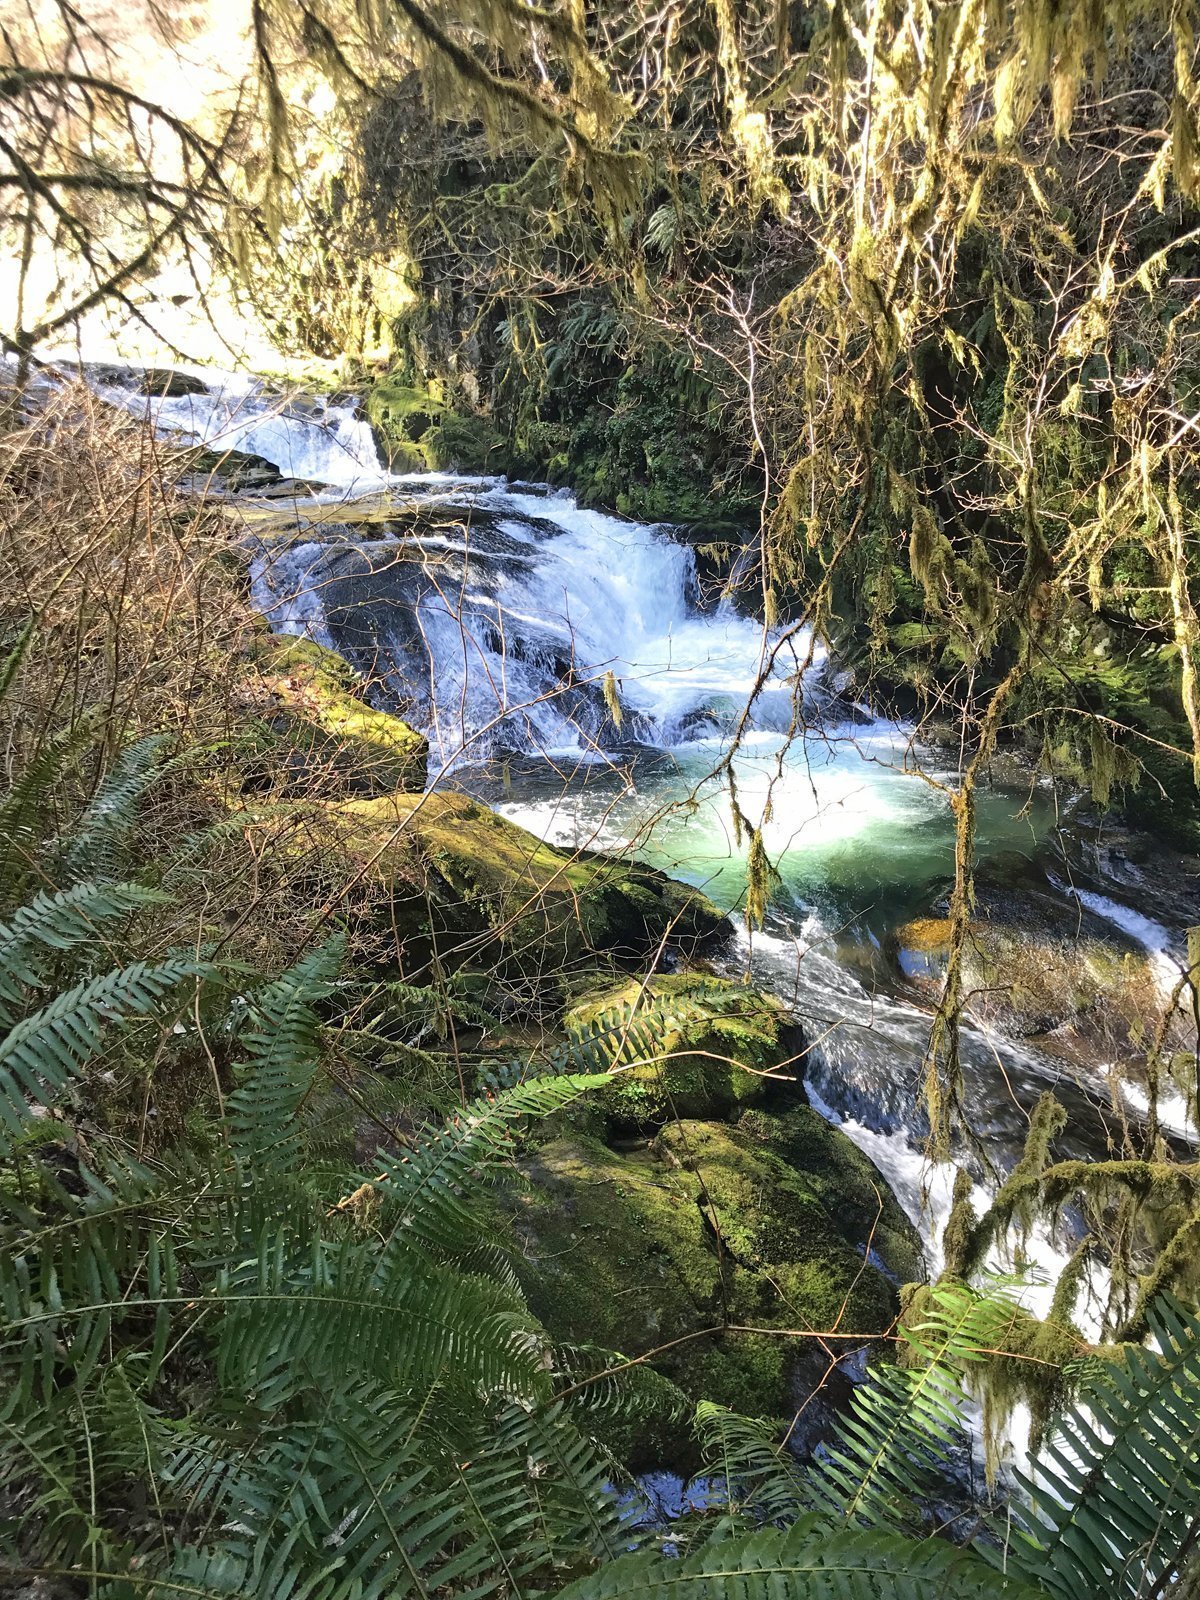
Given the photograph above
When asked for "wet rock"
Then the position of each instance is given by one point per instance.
(169, 384)
(1040, 967)
(416, 431)
(233, 470)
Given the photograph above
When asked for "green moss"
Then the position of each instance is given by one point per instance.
(709, 1226)
(309, 699)
(417, 431)
(461, 443)
(542, 909)
(914, 636)
(844, 1180)
(400, 416)
(708, 1064)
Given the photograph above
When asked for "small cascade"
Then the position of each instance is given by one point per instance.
(308, 436)
(515, 622)
(506, 621)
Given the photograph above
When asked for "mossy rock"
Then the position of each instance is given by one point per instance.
(846, 1181)
(416, 431)
(1037, 970)
(400, 416)
(309, 699)
(709, 1062)
(458, 443)
(709, 1225)
(499, 891)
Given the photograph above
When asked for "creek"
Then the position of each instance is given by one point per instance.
(569, 668)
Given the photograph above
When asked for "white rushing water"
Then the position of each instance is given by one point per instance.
(524, 603)
(307, 436)
(1154, 938)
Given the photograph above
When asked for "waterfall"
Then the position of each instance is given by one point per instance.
(498, 616)
(310, 437)
(508, 621)
(500, 629)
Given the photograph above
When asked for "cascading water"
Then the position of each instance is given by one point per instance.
(572, 648)
(309, 437)
(497, 615)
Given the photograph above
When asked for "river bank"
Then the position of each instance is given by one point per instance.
(564, 667)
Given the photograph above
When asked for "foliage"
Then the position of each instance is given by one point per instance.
(1114, 1494)
(339, 1395)
(810, 1559)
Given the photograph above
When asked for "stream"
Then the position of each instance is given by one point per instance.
(570, 670)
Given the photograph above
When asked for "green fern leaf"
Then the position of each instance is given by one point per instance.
(51, 925)
(97, 844)
(26, 812)
(425, 1190)
(283, 1059)
(902, 1423)
(46, 1050)
(1115, 1492)
(813, 1559)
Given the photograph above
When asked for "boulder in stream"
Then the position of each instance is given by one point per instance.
(766, 1224)
(719, 1047)
(442, 869)
(1040, 967)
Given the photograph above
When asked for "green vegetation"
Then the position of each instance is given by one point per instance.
(380, 1185)
(417, 432)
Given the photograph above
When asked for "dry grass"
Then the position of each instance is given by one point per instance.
(141, 624)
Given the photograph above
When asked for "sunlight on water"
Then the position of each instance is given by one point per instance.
(850, 829)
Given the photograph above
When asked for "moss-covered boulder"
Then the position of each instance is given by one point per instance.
(416, 431)
(310, 702)
(711, 1047)
(760, 1226)
(1036, 971)
(493, 891)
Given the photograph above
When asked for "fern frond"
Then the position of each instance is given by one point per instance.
(96, 847)
(1116, 1488)
(423, 1190)
(630, 1033)
(366, 1502)
(283, 1058)
(46, 1050)
(902, 1423)
(26, 814)
(15, 658)
(759, 1475)
(343, 1309)
(52, 924)
(348, 1503)
(662, 230)
(813, 1558)
(544, 1484)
